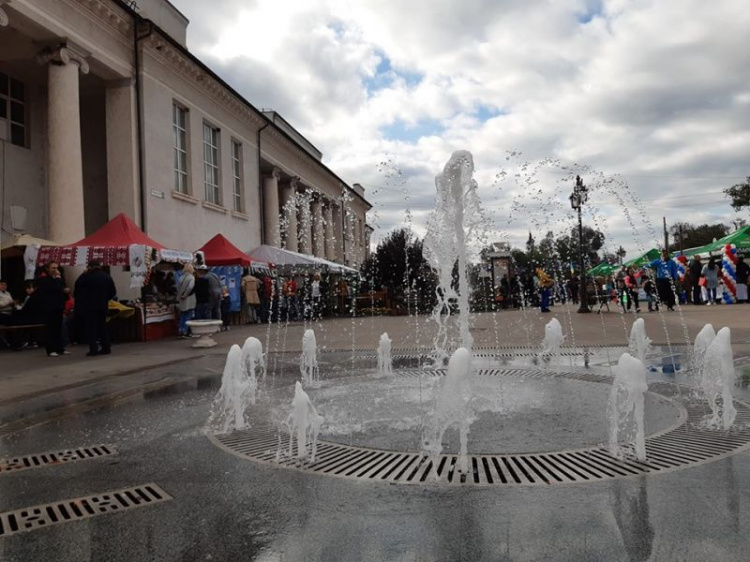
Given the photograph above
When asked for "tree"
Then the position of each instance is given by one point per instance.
(686, 235)
(387, 268)
(740, 194)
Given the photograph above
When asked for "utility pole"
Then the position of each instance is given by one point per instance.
(666, 234)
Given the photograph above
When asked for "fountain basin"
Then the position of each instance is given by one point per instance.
(205, 329)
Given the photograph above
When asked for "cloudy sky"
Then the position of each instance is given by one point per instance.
(649, 100)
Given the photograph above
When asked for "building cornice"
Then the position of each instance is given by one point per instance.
(106, 12)
(175, 59)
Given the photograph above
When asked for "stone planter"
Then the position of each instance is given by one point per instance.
(205, 329)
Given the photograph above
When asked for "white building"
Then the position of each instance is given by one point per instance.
(103, 110)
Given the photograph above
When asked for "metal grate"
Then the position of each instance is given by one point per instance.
(55, 458)
(687, 444)
(46, 515)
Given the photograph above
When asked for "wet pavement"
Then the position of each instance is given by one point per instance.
(228, 508)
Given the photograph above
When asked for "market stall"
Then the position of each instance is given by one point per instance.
(121, 243)
(287, 262)
(341, 281)
(227, 261)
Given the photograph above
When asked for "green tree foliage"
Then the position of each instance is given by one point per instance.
(739, 194)
(387, 269)
(688, 235)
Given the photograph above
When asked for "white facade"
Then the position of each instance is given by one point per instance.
(200, 160)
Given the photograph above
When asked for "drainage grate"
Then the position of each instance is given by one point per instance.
(687, 444)
(55, 458)
(40, 516)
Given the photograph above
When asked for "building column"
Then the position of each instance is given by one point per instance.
(338, 233)
(64, 164)
(318, 228)
(123, 192)
(330, 236)
(290, 215)
(305, 224)
(271, 208)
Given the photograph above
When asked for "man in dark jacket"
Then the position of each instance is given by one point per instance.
(695, 269)
(743, 274)
(51, 294)
(93, 291)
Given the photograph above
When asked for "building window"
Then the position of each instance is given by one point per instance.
(211, 163)
(12, 110)
(237, 175)
(179, 127)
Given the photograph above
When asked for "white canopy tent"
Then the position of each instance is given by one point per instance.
(291, 263)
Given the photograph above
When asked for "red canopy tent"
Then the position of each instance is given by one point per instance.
(120, 231)
(220, 251)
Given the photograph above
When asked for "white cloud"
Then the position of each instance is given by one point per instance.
(654, 90)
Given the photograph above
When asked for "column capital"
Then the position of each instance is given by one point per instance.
(3, 14)
(65, 53)
(276, 173)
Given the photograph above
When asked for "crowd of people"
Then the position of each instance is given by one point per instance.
(63, 313)
(265, 298)
(659, 283)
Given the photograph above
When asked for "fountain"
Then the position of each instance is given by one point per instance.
(303, 423)
(453, 407)
(717, 380)
(253, 365)
(700, 346)
(228, 411)
(639, 343)
(527, 425)
(553, 340)
(385, 366)
(456, 218)
(308, 364)
(626, 407)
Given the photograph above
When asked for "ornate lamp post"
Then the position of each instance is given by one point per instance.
(577, 199)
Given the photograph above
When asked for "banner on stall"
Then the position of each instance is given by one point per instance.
(231, 277)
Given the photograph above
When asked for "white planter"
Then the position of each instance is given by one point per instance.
(205, 329)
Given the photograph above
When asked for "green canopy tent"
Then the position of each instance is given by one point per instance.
(603, 268)
(740, 238)
(643, 259)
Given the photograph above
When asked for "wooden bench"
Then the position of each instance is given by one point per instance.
(16, 328)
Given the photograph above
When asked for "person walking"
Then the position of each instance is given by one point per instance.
(316, 297)
(202, 294)
(650, 289)
(575, 289)
(631, 284)
(545, 284)
(711, 273)
(666, 277)
(250, 289)
(52, 302)
(93, 291)
(214, 295)
(696, 271)
(186, 300)
(743, 273)
(226, 308)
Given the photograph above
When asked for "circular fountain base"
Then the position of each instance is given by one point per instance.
(516, 415)
(547, 428)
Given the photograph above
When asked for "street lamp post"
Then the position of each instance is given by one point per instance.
(577, 199)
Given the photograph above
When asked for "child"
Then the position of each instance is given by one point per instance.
(226, 305)
(650, 289)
